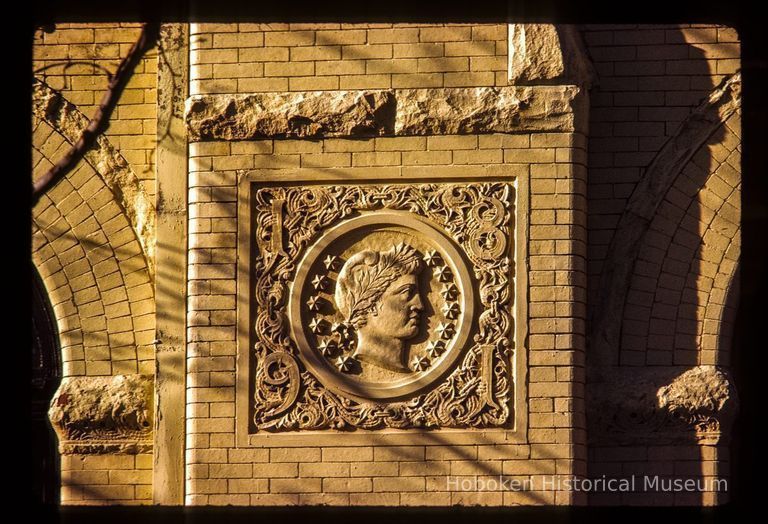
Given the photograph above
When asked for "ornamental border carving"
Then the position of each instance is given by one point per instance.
(509, 428)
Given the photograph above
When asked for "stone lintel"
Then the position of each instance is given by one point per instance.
(399, 112)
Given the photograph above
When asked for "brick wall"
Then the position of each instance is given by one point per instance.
(246, 58)
(77, 59)
(106, 479)
(85, 247)
(377, 473)
(651, 79)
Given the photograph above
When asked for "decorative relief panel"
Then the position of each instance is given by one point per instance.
(381, 306)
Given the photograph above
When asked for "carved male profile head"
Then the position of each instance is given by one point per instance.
(378, 294)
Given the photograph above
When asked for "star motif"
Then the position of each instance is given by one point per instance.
(443, 273)
(349, 345)
(330, 262)
(431, 258)
(345, 363)
(342, 329)
(445, 330)
(317, 325)
(420, 363)
(451, 310)
(314, 303)
(319, 282)
(327, 347)
(435, 348)
(449, 291)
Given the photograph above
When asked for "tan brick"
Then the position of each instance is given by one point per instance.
(474, 48)
(276, 161)
(214, 56)
(388, 36)
(489, 32)
(417, 50)
(399, 484)
(205, 486)
(246, 85)
(464, 79)
(248, 455)
(340, 145)
(488, 63)
(241, 70)
(414, 143)
(399, 453)
(374, 499)
(107, 493)
(324, 499)
(444, 34)
(365, 82)
(289, 38)
(326, 160)
(348, 454)
(130, 477)
(108, 462)
(264, 54)
(289, 68)
(432, 467)
(340, 67)
(359, 485)
(408, 81)
(486, 498)
(238, 40)
(81, 477)
(425, 499)
(426, 157)
(285, 469)
(374, 469)
(366, 52)
(443, 64)
(248, 485)
(483, 156)
(451, 142)
(294, 455)
(324, 469)
(374, 67)
(346, 36)
(304, 485)
(274, 499)
(228, 500)
(144, 461)
(378, 158)
(320, 52)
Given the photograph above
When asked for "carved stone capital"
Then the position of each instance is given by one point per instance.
(664, 405)
(103, 414)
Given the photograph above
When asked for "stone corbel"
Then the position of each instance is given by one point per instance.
(637, 406)
(103, 414)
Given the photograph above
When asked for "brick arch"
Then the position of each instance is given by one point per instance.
(93, 268)
(619, 327)
(676, 301)
(51, 107)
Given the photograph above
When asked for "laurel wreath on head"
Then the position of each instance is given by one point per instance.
(365, 277)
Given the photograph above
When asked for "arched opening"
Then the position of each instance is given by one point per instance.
(45, 378)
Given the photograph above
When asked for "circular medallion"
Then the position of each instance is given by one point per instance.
(381, 307)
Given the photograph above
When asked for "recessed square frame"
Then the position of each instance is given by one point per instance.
(514, 433)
